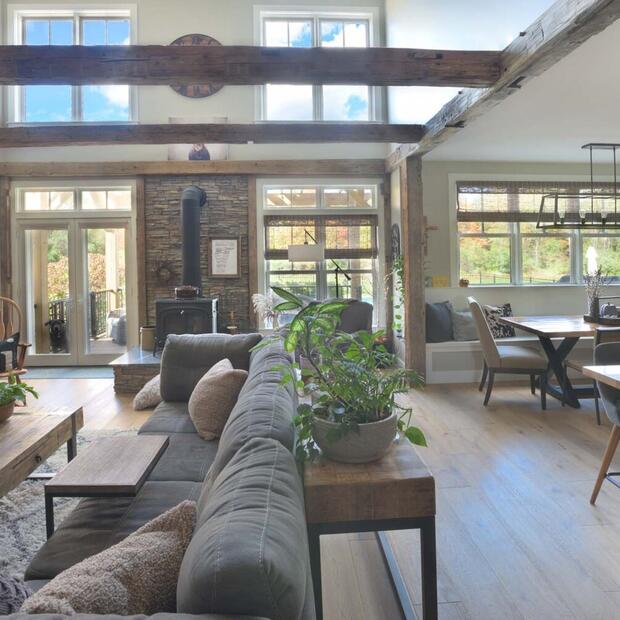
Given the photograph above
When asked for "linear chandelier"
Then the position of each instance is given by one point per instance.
(596, 208)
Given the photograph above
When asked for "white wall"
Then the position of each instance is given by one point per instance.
(230, 22)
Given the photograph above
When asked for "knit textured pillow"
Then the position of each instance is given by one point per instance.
(136, 576)
(149, 396)
(214, 397)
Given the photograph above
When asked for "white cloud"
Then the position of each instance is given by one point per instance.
(115, 95)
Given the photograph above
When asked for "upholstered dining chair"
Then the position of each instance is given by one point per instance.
(608, 354)
(11, 325)
(507, 358)
(601, 335)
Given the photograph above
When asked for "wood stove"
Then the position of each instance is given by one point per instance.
(193, 315)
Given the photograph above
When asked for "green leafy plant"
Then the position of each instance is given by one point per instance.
(352, 378)
(395, 285)
(12, 391)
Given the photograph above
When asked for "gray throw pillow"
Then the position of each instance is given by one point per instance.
(439, 322)
(464, 326)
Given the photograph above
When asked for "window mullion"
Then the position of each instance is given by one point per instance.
(516, 262)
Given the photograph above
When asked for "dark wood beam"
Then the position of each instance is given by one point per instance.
(160, 64)
(555, 34)
(225, 133)
(274, 167)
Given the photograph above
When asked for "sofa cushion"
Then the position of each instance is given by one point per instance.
(439, 322)
(249, 553)
(187, 457)
(464, 326)
(169, 418)
(214, 397)
(149, 396)
(137, 575)
(187, 358)
(98, 523)
(265, 408)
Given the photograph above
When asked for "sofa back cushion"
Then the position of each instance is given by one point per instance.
(187, 358)
(249, 552)
(265, 408)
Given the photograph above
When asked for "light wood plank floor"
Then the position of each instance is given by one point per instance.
(517, 537)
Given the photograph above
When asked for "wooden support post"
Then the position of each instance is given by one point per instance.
(412, 225)
(5, 238)
(252, 247)
(141, 250)
(387, 253)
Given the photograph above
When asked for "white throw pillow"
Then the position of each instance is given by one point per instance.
(149, 396)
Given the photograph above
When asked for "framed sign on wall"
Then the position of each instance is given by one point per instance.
(224, 257)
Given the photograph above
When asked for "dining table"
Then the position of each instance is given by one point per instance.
(609, 375)
(569, 329)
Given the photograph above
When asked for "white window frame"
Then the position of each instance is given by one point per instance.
(320, 184)
(575, 236)
(376, 95)
(16, 13)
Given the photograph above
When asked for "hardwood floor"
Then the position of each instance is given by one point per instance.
(517, 537)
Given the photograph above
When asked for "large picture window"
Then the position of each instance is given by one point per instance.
(344, 219)
(499, 244)
(60, 103)
(294, 102)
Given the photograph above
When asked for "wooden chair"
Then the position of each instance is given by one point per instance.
(608, 354)
(507, 358)
(12, 322)
(601, 336)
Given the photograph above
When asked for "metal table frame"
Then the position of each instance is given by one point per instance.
(426, 525)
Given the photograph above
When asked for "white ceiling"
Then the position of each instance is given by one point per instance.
(574, 102)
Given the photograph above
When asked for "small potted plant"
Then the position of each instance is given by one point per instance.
(353, 382)
(10, 393)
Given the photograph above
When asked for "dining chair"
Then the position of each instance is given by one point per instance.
(601, 335)
(608, 354)
(11, 326)
(507, 358)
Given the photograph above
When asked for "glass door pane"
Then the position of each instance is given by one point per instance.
(105, 294)
(48, 291)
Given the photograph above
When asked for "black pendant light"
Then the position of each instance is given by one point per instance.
(595, 208)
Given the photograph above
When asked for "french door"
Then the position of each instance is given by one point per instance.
(76, 283)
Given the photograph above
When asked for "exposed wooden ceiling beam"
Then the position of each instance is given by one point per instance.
(555, 34)
(211, 133)
(278, 167)
(160, 64)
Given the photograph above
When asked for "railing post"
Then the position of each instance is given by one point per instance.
(93, 314)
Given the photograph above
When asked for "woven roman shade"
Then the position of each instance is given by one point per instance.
(515, 201)
(344, 236)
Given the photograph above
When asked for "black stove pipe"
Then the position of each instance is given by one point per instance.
(192, 199)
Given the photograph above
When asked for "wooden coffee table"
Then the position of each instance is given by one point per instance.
(30, 436)
(394, 493)
(111, 467)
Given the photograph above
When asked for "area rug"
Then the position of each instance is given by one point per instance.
(78, 372)
(22, 511)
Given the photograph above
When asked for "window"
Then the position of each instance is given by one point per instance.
(74, 199)
(499, 243)
(61, 104)
(347, 226)
(297, 102)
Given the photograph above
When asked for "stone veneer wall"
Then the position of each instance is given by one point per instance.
(226, 214)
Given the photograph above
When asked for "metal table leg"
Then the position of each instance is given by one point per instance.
(556, 357)
(49, 514)
(314, 544)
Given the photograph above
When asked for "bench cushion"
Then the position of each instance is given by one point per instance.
(98, 523)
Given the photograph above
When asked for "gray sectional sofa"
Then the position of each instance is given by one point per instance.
(249, 553)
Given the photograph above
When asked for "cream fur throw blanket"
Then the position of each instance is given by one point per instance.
(136, 576)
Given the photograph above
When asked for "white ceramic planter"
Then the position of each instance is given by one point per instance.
(370, 444)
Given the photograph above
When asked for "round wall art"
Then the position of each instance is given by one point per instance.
(196, 91)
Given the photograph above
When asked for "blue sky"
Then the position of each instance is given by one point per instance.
(54, 103)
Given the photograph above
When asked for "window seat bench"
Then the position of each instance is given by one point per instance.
(461, 361)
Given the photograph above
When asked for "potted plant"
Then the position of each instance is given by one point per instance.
(353, 382)
(11, 392)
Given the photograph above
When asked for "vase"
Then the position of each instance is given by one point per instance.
(6, 411)
(368, 443)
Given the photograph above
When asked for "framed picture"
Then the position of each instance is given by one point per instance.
(224, 257)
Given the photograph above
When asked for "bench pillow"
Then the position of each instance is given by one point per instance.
(438, 322)
(464, 326)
